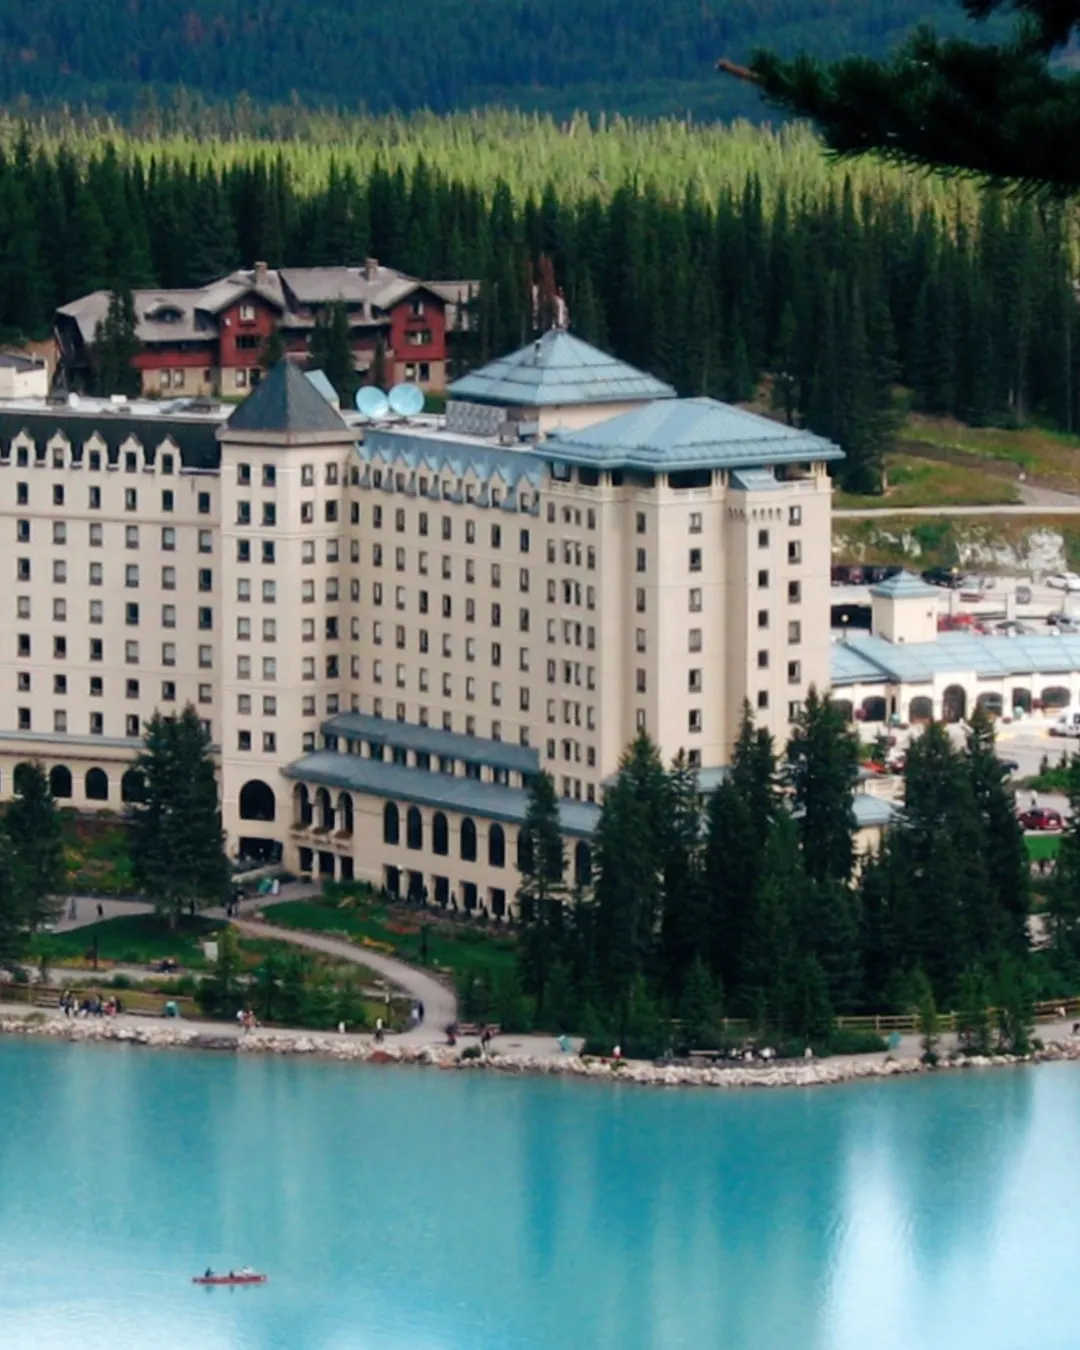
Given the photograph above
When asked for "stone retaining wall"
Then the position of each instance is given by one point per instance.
(802, 1073)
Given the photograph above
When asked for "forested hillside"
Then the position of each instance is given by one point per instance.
(824, 288)
(644, 57)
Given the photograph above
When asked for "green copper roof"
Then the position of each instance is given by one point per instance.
(905, 586)
(558, 369)
(285, 400)
(687, 433)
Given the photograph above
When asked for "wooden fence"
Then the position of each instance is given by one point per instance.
(138, 1001)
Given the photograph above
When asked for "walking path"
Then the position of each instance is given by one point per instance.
(440, 1004)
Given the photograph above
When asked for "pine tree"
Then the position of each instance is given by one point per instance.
(32, 824)
(331, 352)
(273, 349)
(1004, 923)
(821, 770)
(683, 925)
(699, 1009)
(15, 909)
(1063, 896)
(541, 896)
(116, 346)
(176, 841)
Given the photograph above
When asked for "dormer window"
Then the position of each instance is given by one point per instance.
(417, 307)
(166, 314)
(247, 313)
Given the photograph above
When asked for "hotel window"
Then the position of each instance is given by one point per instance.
(307, 475)
(694, 642)
(243, 474)
(243, 550)
(794, 672)
(763, 698)
(794, 551)
(59, 571)
(97, 537)
(206, 580)
(168, 616)
(131, 576)
(243, 629)
(269, 705)
(131, 615)
(332, 586)
(640, 560)
(22, 531)
(131, 499)
(206, 657)
(307, 512)
(59, 720)
(794, 592)
(307, 551)
(243, 738)
(269, 742)
(206, 541)
(695, 522)
(333, 550)
(763, 538)
(168, 578)
(447, 686)
(794, 632)
(96, 574)
(95, 492)
(22, 494)
(447, 646)
(695, 600)
(269, 630)
(168, 653)
(22, 569)
(693, 722)
(639, 522)
(470, 689)
(523, 541)
(422, 677)
(243, 667)
(168, 691)
(763, 618)
(639, 601)
(794, 710)
(399, 675)
(97, 611)
(794, 515)
(470, 649)
(269, 592)
(269, 668)
(131, 688)
(307, 705)
(399, 597)
(447, 528)
(639, 681)
(763, 660)
(243, 512)
(243, 589)
(97, 724)
(695, 560)
(243, 705)
(131, 536)
(763, 579)
(639, 719)
(422, 564)
(693, 681)
(307, 592)
(268, 554)
(307, 630)
(307, 668)
(59, 610)
(470, 531)
(59, 532)
(206, 693)
(269, 475)
(168, 538)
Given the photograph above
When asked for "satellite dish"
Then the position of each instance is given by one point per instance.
(73, 400)
(406, 400)
(372, 402)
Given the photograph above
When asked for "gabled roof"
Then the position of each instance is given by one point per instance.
(688, 433)
(558, 370)
(430, 740)
(905, 586)
(285, 400)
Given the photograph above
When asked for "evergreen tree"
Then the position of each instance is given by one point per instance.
(973, 1012)
(116, 346)
(331, 352)
(15, 909)
(1063, 895)
(699, 1009)
(683, 925)
(273, 349)
(821, 770)
(927, 1013)
(541, 895)
(1008, 894)
(176, 841)
(32, 824)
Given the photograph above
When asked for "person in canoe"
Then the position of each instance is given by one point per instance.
(209, 1274)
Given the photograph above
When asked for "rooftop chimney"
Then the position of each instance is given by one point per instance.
(371, 267)
(260, 274)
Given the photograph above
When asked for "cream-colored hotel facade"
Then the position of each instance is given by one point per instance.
(388, 627)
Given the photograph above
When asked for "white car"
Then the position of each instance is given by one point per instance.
(1064, 581)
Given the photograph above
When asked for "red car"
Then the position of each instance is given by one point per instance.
(1040, 818)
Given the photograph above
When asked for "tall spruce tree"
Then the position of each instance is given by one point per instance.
(541, 895)
(116, 346)
(821, 769)
(15, 909)
(1063, 896)
(32, 823)
(1003, 925)
(331, 352)
(177, 847)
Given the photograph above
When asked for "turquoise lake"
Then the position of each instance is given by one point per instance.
(417, 1210)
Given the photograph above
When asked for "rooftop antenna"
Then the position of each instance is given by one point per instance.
(372, 403)
(406, 400)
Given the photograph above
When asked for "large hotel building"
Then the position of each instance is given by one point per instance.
(388, 627)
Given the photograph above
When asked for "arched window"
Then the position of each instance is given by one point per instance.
(414, 828)
(133, 787)
(256, 800)
(97, 785)
(954, 703)
(1056, 696)
(468, 840)
(302, 805)
(391, 824)
(921, 709)
(19, 777)
(325, 809)
(582, 864)
(345, 811)
(60, 781)
(497, 846)
(440, 834)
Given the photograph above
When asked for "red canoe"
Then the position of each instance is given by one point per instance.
(228, 1279)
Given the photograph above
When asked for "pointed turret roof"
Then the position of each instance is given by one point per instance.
(556, 370)
(285, 400)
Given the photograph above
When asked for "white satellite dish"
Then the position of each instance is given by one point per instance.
(73, 400)
(372, 402)
(406, 400)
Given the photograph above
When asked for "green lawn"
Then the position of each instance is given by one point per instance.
(926, 482)
(1040, 846)
(132, 940)
(464, 950)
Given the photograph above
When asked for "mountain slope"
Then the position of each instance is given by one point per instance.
(636, 56)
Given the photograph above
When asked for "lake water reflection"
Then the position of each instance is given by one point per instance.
(442, 1211)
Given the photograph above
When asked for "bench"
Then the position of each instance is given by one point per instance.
(475, 1028)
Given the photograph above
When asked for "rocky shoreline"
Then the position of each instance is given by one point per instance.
(800, 1073)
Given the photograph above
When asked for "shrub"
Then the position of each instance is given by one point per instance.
(843, 1042)
(471, 1052)
(121, 982)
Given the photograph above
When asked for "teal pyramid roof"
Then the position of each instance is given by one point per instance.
(558, 369)
(904, 586)
(285, 400)
(688, 433)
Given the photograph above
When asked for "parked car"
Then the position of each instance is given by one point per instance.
(1066, 724)
(1064, 581)
(1041, 818)
(942, 576)
(1023, 594)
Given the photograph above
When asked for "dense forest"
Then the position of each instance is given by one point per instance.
(645, 57)
(753, 904)
(824, 301)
